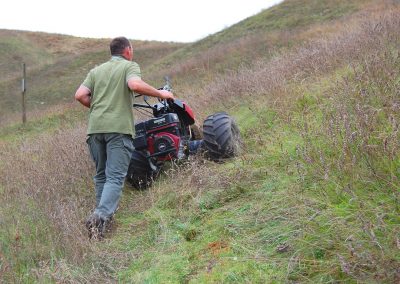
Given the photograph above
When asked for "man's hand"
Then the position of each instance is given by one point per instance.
(166, 95)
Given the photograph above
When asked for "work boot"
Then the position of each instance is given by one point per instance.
(95, 226)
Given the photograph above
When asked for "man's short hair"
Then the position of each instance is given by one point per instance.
(118, 45)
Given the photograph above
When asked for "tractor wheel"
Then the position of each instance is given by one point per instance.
(221, 137)
(140, 175)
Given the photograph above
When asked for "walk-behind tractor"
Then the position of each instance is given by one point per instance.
(172, 135)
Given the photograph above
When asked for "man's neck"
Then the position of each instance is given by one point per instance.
(118, 56)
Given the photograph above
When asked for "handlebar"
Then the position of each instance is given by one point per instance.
(167, 86)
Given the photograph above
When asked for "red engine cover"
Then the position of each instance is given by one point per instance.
(175, 143)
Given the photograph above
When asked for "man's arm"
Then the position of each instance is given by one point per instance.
(82, 95)
(140, 87)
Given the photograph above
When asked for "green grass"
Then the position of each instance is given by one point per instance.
(16, 49)
(25, 241)
(18, 132)
(289, 15)
(268, 27)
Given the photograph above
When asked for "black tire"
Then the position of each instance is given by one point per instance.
(221, 137)
(140, 175)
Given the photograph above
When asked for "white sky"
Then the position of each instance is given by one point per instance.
(168, 20)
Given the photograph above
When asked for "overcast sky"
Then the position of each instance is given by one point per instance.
(164, 20)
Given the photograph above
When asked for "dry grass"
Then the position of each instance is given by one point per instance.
(46, 180)
(364, 35)
(329, 46)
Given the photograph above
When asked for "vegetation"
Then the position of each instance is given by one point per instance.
(313, 198)
(257, 37)
(56, 65)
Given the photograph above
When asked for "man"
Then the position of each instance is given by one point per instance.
(108, 92)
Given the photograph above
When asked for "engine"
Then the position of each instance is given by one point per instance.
(163, 137)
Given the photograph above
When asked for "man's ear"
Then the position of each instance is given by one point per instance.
(127, 53)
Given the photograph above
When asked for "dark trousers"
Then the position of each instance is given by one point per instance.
(111, 153)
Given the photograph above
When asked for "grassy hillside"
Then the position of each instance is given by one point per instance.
(256, 37)
(56, 65)
(313, 197)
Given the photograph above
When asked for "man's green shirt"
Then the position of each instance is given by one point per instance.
(111, 99)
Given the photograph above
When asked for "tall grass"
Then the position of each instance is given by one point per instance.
(359, 37)
(45, 197)
(348, 158)
(339, 98)
(354, 155)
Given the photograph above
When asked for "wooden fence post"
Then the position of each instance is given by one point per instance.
(23, 93)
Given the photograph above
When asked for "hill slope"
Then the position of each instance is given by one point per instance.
(56, 65)
(313, 197)
(259, 36)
